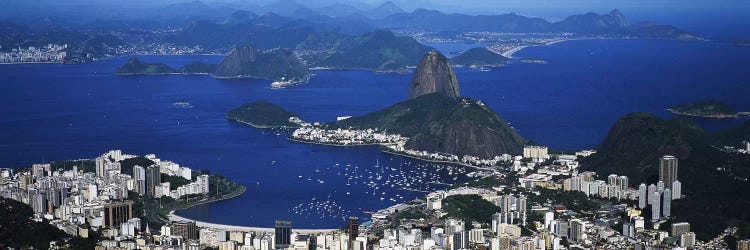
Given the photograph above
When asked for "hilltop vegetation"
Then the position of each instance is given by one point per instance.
(435, 122)
(262, 114)
(707, 171)
(17, 230)
(377, 50)
(478, 57)
(136, 67)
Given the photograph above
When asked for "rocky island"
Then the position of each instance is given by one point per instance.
(479, 57)
(705, 109)
(264, 114)
(137, 67)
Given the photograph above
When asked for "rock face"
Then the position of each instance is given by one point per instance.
(434, 74)
(276, 65)
(232, 65)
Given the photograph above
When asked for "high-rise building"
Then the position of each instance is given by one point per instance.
(353, 230)
(153, 180)
(651, 190)
(116, 213)
(283, 234)
(577, 228)
(203, 181)
(535, 152)
(612, 179)
(460, 241)
(655, 206)
(521, 209)
(39, 203)
(668, 166)
(676, 190)
(628, 230)
(687, 240)
(623, 182)
(100, 166)
(747, 146)
(642, 196)
(680, 228)
(185, 229)
(561, 228)
(139, 177)
(39, 170)
(667, 206)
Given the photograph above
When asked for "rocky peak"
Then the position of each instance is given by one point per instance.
(434, 74)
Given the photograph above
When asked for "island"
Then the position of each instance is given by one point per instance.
(263, 114)
(279, 65)
(137, 67)
(479, 57)
(705, 109)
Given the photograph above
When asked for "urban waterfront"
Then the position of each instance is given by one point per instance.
(80, 111)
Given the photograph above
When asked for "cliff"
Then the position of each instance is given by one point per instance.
(274, 65)
(434, 74)
(438, 123)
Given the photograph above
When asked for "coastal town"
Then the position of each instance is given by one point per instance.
(537, 200)
(49, 53)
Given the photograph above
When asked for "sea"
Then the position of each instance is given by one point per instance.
(57, 112)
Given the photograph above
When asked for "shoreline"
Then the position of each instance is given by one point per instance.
(258, 126)
(718, 116)
(509, 53)
(174, 217)
(391, 152)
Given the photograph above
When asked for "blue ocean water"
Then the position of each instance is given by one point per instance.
(52, 112)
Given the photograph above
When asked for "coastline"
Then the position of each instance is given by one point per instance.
(173, 217)
(390, 152)
(255, 125)
(717, 116)
(509, 53)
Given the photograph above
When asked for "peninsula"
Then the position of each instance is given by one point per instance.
(479, 57)
(705, 109)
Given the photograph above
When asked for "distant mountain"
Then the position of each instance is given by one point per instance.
(478, 57)
(377, 50)
(713, 179)
(610, 24)
(289, 8)
(262, 114)
(275, 65)
(434, 74)
(386, 9)
(433, 20)
(592, 23)
(438, 123)
(650, 30)
(136, 67)
(338, 10)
